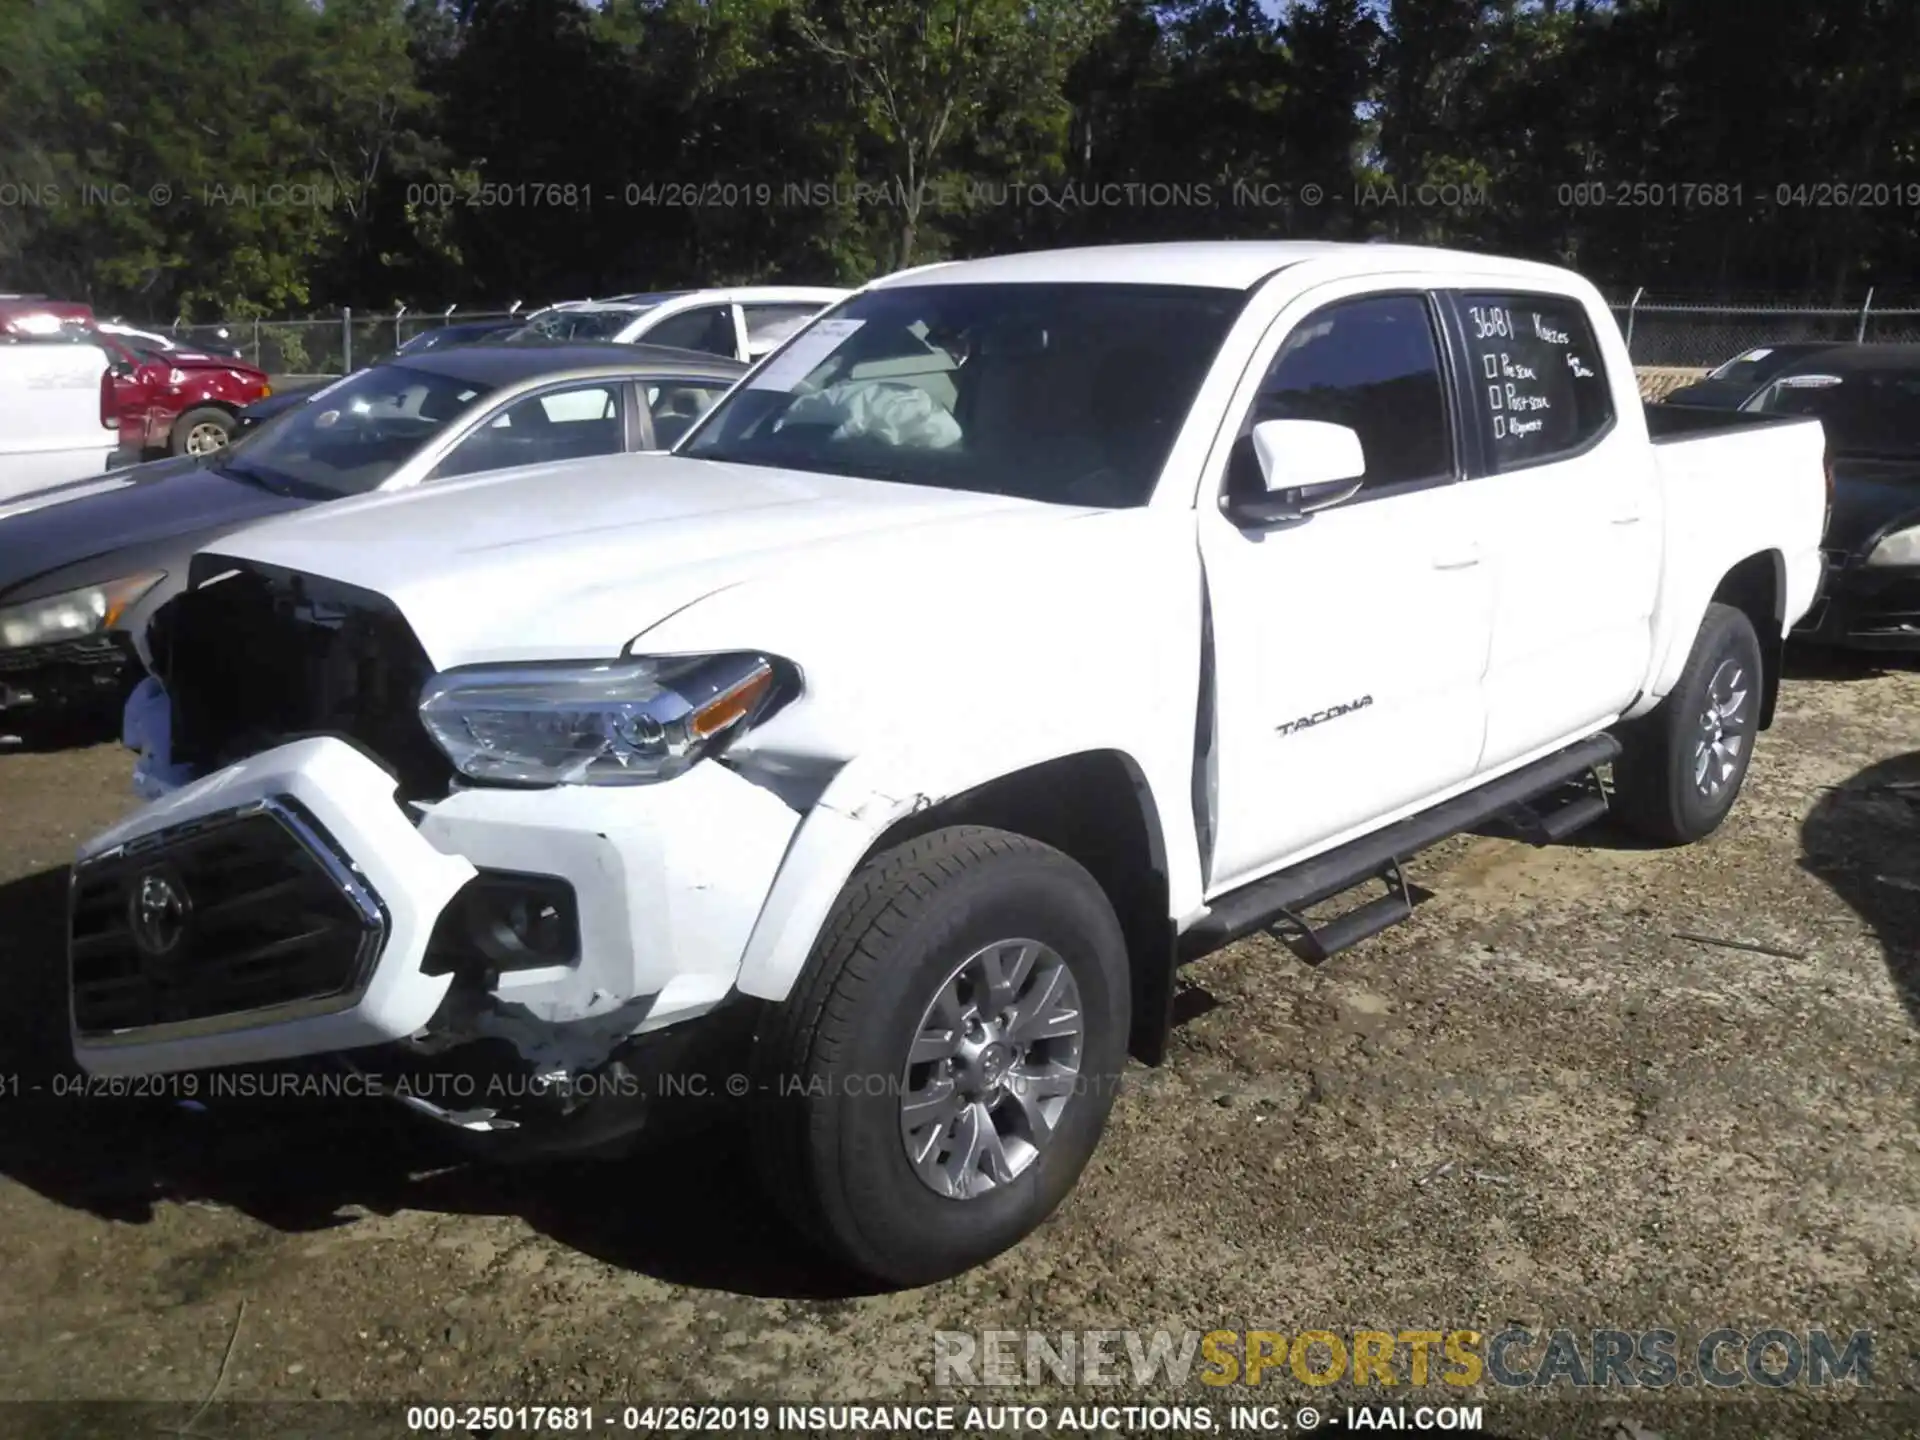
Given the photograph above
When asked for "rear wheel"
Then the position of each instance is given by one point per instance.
(201, 432)
(1683, 764)
(944, 1068)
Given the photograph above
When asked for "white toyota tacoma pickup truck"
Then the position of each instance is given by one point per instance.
(1019, 631)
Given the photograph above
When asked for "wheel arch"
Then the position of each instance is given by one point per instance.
(211, 402)
(1757, 587)
(1096, 806)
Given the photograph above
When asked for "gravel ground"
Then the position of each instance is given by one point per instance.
(1536, 1104)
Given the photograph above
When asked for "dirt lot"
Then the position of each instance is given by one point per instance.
(1644, 1132)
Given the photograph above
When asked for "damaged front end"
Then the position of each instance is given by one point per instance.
(315, 879)
(515, 1107)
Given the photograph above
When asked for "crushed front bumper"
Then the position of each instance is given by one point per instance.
(667, 883)
(316, 901)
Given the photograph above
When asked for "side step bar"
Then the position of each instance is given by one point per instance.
(1274, 902)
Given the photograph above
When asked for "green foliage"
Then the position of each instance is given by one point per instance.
(184, 158)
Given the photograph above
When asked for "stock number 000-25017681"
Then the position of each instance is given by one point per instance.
(549, 1419)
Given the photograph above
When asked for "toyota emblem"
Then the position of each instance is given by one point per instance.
(158, 913)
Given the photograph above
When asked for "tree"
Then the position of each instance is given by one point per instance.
(931, 77)
(368, 119)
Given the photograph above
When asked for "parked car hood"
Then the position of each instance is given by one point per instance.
(576, 559)
(55, 529)
(263, 410)
(201, 360)
(1869, 494)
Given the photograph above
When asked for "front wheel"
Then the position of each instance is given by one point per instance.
(1682, 765)
(201, 432)
(944, 1068)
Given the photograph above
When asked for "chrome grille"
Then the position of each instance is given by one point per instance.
(252, 912)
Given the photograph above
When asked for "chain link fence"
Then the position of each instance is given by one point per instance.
(1661, 334)
(1695, 334)
(324, 346)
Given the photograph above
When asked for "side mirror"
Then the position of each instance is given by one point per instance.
(1304, 466)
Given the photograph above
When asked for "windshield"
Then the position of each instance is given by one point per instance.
(577, 325)
(1869, 412)
(349, 438)
(1065, 393)
(1755, 367)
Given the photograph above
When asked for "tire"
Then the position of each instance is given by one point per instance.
(1669, 784)
(832, 1077)
(194, 425)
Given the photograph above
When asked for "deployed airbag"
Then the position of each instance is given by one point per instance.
(886, 410)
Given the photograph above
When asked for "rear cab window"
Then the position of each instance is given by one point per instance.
(1535, 378)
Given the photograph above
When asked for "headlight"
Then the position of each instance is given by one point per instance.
(1902, 547)
(74, 613)
(613, 722)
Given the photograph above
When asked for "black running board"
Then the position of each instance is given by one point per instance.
(1274, 902)
(1317, 942)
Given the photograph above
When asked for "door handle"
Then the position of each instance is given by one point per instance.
(1463, 560)
(1628, 519)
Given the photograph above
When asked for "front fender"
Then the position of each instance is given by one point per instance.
(872, 794)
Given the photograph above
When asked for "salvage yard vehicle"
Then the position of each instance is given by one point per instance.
(742, 323)
(57, 414)
(85, 566)
(1739, 380)
(1020, 630)
(177, 400)
(1867, 400)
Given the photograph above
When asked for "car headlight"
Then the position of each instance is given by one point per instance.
(1902, 547)
(73, 613)
(615, 722)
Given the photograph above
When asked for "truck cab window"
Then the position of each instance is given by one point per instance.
(1368, 364)
(1536, 376)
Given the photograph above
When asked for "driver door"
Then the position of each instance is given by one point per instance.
(1349, 647)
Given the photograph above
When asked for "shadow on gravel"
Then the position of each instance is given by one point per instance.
(1810, 662)
(72, 733)
(685, 1211)
(1863, 839)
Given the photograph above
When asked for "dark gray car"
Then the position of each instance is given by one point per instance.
(84, 566)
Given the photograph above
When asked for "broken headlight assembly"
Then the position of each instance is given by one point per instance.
(632, 721)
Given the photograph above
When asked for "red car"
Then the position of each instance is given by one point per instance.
(181, 401)
(178, 399)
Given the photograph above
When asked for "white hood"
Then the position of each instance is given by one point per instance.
(576, 559)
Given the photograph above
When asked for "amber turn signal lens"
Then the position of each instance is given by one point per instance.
(732, 705)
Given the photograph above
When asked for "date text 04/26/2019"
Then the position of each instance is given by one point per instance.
(936, 1419)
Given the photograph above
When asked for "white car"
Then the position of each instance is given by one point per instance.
(742, 323)
(1023, 630)
(59, 419)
